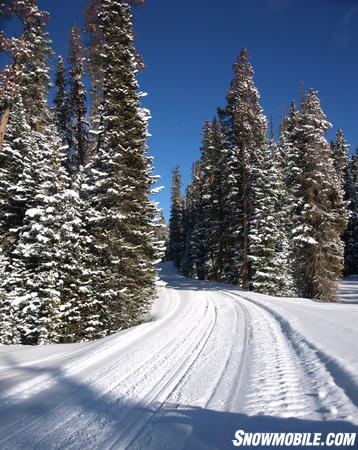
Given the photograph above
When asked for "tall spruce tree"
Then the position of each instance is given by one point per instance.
(320, 213)
(268, 242)
(12, 78)
(195, 242)
(95, 69)
(351, 234)
(213, 159)
(341, 158)
(34, 269)
(176, 225)
(119, 183)
(61, 110)
(38, 286)
(206, 200)
(246, 131)
(288, 160)
(77, 100)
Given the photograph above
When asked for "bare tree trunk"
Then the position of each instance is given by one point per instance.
(3, 125)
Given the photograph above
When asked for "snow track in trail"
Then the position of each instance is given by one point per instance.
(321, 377)
(274, 378)
(212, 355)
(294, 378)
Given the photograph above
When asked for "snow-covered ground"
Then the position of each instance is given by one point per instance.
(213, 359)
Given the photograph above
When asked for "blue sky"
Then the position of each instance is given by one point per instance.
(189, 47)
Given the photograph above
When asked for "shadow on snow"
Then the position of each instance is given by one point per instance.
(71, 414)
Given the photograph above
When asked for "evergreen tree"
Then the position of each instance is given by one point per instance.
(213, 162)
(36, 80)
(206, 205)
(95, 69)
(341, 158)
(320, 215)
(26, 269)
(35, 208)
(61, 110)
(77, 100)
(268, 252)
(119, 183)
(195, 243)
(287, 162)
(14, 200)
(96, 66)
(176, 226)
(351, 234)
(12, 78)
(246, 131)
(18, 139)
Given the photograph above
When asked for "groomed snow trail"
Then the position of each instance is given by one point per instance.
(212, 360)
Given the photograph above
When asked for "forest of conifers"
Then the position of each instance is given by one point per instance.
(78, 240)
(279, 218)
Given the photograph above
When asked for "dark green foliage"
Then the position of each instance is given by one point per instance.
(62, 111)
(119, 182)
(351, 234)
(176, 221)
(213, 160)
(77, 101)
(320, 212)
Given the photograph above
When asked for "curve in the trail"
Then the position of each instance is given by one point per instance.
(208, 347)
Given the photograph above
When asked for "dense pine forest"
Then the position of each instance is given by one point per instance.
(78, 229)
(278, 218)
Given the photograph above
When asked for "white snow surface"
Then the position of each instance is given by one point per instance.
(212, 359)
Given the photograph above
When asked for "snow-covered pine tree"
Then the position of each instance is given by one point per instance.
(61, 110)
(176, 225)
(48, 279)
(285, 283)
(212, 220)
(119, 183)
(31, 99)
(78, 125)
(18, 139)
(268, 255)
(39, 291)
(30, 273)
(320, 216)
(11, 78)
(246, 132)
(14, 200)
(209, 224)
(95, 68)
(195, 239)
(287, 161)
(341, 158)
(36, 80)
(351, 234)
(5, 317)
(8, 309)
